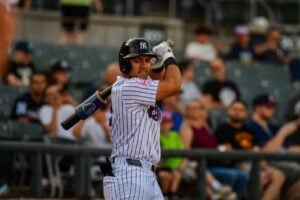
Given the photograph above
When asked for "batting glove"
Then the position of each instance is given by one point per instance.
(163, 51)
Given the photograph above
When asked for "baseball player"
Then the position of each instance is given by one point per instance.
(135, 119)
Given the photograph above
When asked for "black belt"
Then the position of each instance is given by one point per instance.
(137, 163)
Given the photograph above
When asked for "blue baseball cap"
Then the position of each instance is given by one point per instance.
(60, 65)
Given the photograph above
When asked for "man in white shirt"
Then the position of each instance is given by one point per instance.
(54, 112)
(202, 49)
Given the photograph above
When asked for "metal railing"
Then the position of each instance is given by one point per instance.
(83, 156)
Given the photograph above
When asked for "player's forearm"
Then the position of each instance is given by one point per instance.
(173, 77)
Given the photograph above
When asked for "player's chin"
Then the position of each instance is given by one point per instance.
(143, 74)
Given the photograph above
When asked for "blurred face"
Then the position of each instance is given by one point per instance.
(274, 36)
(21, 57)
(218, 69)
(171, 101)
(243, 39)
(166, 126)
(203, 38)
(196, 110)
(53, 97)
(61, 77)
(140, 67)
(38, 84)
(189, 73)
(266, 112)
(112, 72)
(237, 112)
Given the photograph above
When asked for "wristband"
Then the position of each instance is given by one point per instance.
(158, 70)
(170, 61)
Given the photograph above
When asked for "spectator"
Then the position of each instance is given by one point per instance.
(189, 89)
(171, 104)
(25, 4)
(20, 67)
(271, 50)
(271, 139)
(111, 73)
(201, 136)
(236, 135)
(242, 49)
(55, 112)
(94, 131)
(27, 106)
(219, 91)
(268, 135)
(60, 75)
(171, 169)
(202, 49)
(76, 13)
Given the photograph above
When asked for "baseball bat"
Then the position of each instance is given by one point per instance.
(86, 108)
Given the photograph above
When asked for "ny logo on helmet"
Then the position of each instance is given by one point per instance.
(143, 45)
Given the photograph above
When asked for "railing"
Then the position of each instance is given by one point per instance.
(83, 156)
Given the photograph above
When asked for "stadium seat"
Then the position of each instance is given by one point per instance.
(8, 96)
(17, 131)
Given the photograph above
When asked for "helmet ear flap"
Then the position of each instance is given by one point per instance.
(125, 65)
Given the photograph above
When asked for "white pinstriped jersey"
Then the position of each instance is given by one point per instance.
(135, 119)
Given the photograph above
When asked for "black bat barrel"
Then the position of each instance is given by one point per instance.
(75, 117)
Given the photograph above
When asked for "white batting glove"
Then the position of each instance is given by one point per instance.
(163, 51)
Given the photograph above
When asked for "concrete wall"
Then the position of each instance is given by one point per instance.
(104, 30)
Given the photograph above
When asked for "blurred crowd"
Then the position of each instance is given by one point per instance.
(187, 118)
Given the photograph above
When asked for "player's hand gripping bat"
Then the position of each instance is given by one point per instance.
(90, 105)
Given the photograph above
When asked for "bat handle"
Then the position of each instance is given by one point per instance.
(70, 121)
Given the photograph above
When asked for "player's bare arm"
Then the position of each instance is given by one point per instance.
(171, 81)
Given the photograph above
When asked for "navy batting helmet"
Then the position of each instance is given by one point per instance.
(132, 48)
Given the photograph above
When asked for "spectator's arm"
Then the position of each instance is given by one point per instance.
(27, 5)
(294, 148)
(98, 6)
(186, 135)
(13, 80)
(52, 126)
(277, 142)
(261, 48)
(78, 129)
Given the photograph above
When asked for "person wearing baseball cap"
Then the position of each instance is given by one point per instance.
(242, 49)
(60, 75)
(272, 138)
(20, 67)
(268, 135)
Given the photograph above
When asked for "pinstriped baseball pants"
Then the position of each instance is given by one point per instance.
(131, 183)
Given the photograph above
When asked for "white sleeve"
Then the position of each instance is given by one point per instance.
(66, 111)
(140, 91)
(189, 50)
(45, 115)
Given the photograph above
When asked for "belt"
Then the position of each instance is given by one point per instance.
(137, 163)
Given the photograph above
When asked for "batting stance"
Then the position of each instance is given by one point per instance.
(135, 119)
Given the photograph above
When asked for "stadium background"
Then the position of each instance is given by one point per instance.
(157, 21)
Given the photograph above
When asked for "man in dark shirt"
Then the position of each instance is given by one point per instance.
(271, 50)
(219, 91)
(242, 49)
(27, 106)
(20, 67)
(271, 138)
(235, 134)
(267, 135)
